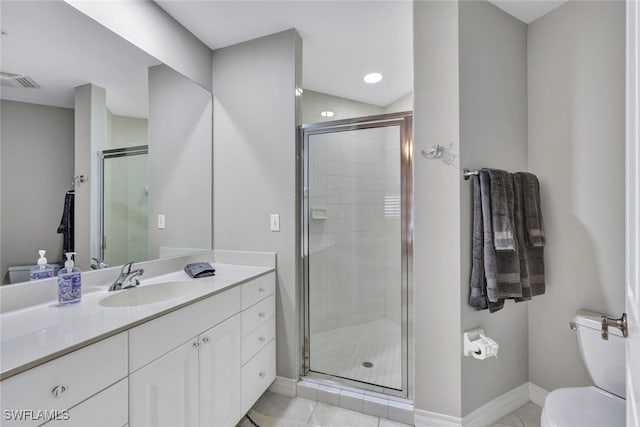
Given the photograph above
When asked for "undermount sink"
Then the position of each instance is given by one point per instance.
(148, 294)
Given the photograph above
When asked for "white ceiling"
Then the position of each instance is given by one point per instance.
(342, 40)
(528, 10)
(60, 48)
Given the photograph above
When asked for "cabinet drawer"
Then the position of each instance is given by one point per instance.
(258, 314)
(151, 340)
(74, 376)
(258, 289)
(108, 408)
(257, 339)
(257, 375)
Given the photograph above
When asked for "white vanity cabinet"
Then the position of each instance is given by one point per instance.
(258, 338)
(85, 378)
(203, 364)
(205, 380)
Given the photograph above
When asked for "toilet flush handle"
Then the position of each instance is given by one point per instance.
(620, 323)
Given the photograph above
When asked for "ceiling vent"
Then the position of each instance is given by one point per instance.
(17, 80)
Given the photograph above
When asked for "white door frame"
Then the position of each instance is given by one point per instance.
(632, 282)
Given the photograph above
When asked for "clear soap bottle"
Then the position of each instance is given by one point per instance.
(69, 282)
(42, 270)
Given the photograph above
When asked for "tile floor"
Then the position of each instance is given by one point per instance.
(342, 351)
(526, 416)
(276, 410)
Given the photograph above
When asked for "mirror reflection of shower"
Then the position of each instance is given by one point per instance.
(125, 190)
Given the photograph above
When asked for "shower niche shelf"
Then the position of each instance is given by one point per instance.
(319, 213)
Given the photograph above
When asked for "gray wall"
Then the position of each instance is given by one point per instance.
(493, 133)
(171, 43)
(255, 117)
(37, 167)
(180, 150)
(438, 343)
(576, 147)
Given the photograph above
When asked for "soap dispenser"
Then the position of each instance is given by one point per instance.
(69, 282)
(42, 270)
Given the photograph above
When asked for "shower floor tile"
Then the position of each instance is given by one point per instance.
(341, 352)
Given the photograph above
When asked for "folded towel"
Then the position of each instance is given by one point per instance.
(532, 210)
(502, 210)
(196, 270)
(477, 298)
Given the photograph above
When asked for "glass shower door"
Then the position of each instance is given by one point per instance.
(355, 249)
(124, 205)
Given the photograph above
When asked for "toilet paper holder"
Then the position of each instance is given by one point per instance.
(477, 345)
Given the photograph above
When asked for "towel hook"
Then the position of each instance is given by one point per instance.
(79, 179)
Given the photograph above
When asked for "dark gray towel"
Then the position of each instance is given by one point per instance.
(66, 222)
(523, 250)
(502, 210)
(501, 268)
(196, 270)
(532, 210)
(477, 298)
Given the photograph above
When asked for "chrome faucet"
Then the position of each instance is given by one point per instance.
(127, 278)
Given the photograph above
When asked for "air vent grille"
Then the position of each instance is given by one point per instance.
(17, 80)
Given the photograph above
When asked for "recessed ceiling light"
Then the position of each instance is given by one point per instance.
(327, 113)
(372, 78)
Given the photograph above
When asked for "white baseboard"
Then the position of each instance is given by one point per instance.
(434, 419)
(499, 407)
(537, 394)
(488, 413)
(285, 386)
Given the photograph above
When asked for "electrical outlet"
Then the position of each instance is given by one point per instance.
(275, 222)
(161, 222)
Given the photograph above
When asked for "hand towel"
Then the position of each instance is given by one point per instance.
(532, 210)
(502, 210)
(477, 298)
(501, 268)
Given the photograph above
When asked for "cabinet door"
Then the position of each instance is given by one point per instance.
(165, 392)
(220, 374)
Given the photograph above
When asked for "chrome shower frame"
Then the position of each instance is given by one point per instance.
(404, 120)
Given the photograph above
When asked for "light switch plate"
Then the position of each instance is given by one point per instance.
(161, 222)
(275, 222)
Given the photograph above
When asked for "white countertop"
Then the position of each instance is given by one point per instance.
(37, 334)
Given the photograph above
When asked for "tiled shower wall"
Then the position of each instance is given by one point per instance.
(354, 228)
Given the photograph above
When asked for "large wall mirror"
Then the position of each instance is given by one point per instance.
(89, 118)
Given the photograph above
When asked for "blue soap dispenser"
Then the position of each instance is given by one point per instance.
(42, 270)
(69, 282)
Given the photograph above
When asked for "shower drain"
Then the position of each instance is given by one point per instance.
(367, 364)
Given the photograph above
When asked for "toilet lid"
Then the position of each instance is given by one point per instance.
(583, 407)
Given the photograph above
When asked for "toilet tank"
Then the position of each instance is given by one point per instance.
(604, 359)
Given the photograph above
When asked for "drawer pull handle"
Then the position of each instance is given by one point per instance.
(261, 289)
(205, 340)
(59, 390)
(262, 374)
(261, 339)
(262, 314)
(196, 344)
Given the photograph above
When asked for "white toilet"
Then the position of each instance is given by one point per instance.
(599, 406)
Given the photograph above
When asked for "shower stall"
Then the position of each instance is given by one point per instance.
(124, 204)
(356, 250)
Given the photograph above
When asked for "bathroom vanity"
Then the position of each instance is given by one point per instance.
(173, 351)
